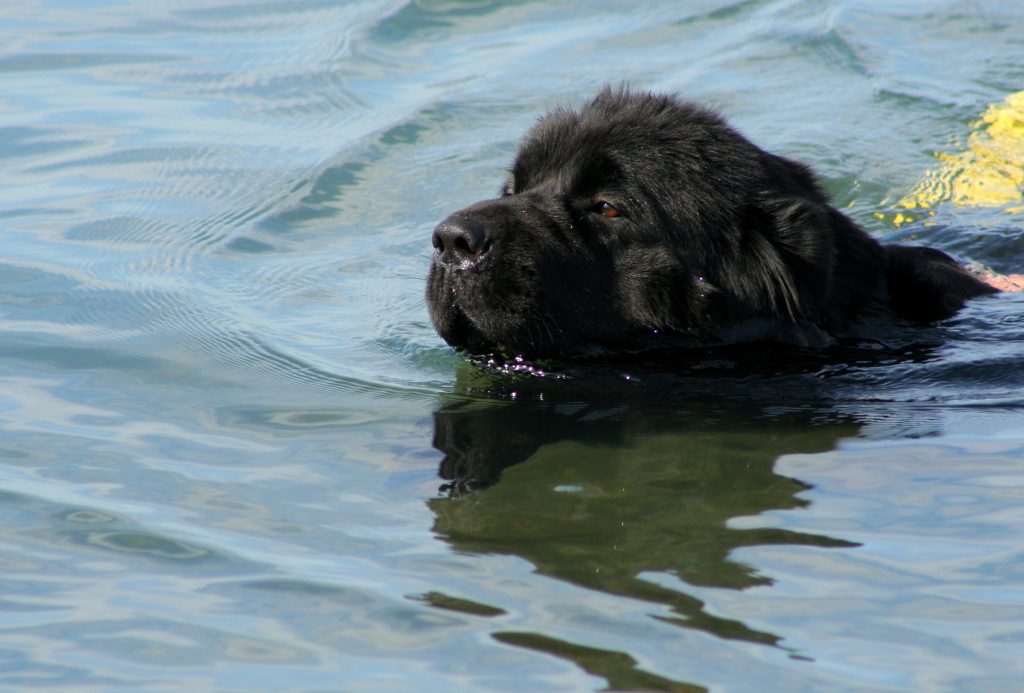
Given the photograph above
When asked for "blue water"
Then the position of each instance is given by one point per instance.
(234, 455)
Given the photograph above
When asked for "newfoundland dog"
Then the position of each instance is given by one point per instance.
(644, 222)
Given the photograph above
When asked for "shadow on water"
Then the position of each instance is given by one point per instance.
(602, 477)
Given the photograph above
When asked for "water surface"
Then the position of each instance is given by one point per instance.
(235, 456)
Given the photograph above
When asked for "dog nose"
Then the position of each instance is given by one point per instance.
(460, 241)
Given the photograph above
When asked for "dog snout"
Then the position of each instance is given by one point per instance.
(460, 242)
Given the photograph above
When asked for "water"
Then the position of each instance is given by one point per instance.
(234, 455)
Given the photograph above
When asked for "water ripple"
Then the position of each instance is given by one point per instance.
(219, 384)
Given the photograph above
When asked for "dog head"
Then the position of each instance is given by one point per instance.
(637, 222)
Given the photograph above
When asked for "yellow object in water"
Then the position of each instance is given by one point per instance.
(989, 172)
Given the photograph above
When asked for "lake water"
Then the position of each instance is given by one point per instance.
(234, 456)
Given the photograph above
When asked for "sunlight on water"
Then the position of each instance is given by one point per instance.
(989, 172)
(234, 455)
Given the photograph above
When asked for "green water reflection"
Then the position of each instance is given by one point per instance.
(617, 668)
(634, 494)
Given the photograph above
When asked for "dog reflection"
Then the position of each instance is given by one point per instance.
(598, 495)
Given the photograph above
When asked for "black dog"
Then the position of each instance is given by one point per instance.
(644, 222)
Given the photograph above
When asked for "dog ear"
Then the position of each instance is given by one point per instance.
(785, 257)
(926, 285)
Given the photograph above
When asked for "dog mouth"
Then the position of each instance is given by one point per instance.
(460, 332)
(466, 317)
(446, 298)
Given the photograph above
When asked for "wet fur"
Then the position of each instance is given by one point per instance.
(716, 241)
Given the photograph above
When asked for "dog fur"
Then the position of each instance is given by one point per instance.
(645, 222)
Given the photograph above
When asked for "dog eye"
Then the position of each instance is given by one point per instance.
(606, 209)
